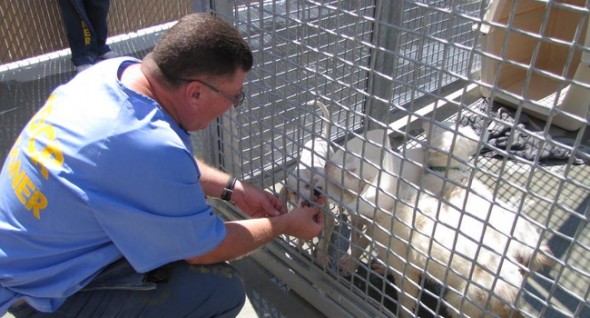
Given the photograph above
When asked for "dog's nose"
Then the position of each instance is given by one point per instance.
(317, 192)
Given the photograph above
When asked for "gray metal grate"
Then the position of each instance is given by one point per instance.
(392, 65)
(376, 64)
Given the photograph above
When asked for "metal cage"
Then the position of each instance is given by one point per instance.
(395, 65)
(513, 71)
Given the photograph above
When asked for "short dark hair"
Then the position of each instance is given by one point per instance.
(201, 43)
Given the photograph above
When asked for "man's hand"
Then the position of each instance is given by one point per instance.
(250, 199)
(257, 202)
(305, 223)
(244, 236)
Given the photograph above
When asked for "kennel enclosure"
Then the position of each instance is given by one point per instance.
(512, 70)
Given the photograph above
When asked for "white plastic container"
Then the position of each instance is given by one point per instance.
(541, 85)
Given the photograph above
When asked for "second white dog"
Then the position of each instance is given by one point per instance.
(453, 233)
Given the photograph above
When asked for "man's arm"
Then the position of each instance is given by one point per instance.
(245, 236)
(213, 180)
(250, 199)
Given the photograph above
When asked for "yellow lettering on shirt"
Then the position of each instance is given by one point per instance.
(37, 202)
(25, 189)
(14, 171)
(48, 155)
(44, 151)
(51, 153)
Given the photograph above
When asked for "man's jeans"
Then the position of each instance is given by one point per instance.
(176, 290)
(86, 28)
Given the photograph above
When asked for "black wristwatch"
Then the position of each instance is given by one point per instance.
(229, 189)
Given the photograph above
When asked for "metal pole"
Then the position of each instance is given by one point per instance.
(386, 40)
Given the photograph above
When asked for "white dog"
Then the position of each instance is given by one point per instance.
(458, 236)
(306, 183)
(363, 178)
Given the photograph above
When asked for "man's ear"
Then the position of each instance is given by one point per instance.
(193, 92)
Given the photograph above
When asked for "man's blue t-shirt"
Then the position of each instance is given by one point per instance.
(99, 173)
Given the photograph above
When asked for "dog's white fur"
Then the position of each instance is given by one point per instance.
(458, 236)
(363, 178)
(306, 183)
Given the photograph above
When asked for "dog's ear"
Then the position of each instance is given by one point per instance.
(283, 193)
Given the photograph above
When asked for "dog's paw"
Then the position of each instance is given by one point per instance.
(378, 267)
(322, 258)
(347, 265)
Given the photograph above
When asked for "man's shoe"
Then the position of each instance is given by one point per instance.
(108, 55)
(82, 67)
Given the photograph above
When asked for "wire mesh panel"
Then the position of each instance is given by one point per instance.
(435, 46)
(448, 188)
(296, 62)
(452, 162)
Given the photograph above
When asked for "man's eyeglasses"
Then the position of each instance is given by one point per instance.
(236, 100)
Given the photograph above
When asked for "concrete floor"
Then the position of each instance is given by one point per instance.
(268, 296)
